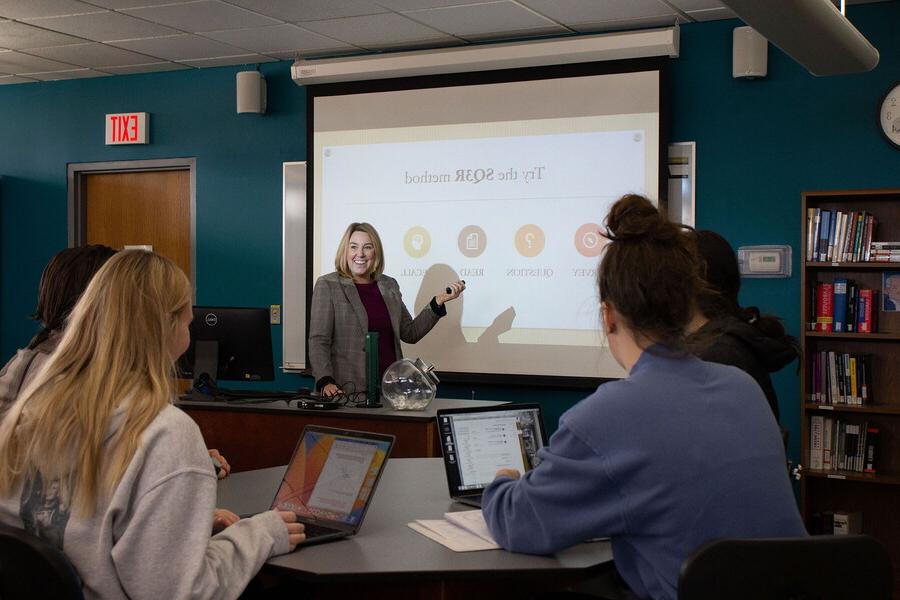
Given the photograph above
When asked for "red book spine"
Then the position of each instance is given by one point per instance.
(865, 319)
(824, 307)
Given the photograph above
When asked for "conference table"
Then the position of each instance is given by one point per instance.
(259, 435)
(387, 559)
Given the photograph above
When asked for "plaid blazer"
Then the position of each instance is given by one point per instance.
(338, 324)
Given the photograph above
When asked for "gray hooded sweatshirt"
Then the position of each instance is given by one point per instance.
(152, 537)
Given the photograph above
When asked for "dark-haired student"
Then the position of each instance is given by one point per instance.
(679, 452)
(722, 331)
(62, 283)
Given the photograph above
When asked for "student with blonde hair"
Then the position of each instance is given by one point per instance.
(95, 459)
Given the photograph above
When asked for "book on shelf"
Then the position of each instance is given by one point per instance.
(842, 306)
(840, 378)
(871, 449)
(824, 306)
(847, 523)
(839, 236)
(838, 445)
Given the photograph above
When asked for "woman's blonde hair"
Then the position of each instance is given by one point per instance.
(340, 259)
(114, 354)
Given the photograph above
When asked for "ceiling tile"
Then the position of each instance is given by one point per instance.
(206, 15)
(104, 27)
(279, 38)
(574, 12)
(7, 79)
(311, 10)
(120, 4)
(404, 5)
(495, 19)
(377, 31)
(713, 14)
(74, 74)
(148, 68)
(628, 24)
(689, 5)
(28, 9)
(224, 61)
(180, 47)
(311, 54)
(93, 54)
(16, 62)
(20, 36)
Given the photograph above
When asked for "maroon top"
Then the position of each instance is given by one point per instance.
(380, 321)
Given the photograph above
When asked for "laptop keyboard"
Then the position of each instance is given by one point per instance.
(314, 531)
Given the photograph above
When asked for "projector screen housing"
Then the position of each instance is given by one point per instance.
(498, 178)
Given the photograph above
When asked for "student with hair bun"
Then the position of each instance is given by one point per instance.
(677, 453)
(723, 331)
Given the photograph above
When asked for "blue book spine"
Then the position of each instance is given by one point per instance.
(822, 246)
(839, 307)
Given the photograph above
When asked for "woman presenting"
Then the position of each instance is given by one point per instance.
(358, 298)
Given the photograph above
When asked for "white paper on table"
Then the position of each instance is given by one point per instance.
(451, 536)
(472, 521)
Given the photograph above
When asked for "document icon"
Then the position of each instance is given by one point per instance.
(472, 241)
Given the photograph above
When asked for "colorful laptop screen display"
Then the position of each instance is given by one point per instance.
(331, 477)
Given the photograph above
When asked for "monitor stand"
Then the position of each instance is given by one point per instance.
(206, 364)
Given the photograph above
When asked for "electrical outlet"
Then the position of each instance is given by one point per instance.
(275, 314)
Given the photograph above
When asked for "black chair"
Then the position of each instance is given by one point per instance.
(31, 568)
(826, 567)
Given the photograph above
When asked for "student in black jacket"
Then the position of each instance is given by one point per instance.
(724, 332)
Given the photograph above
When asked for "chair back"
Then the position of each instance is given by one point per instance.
(31, 568)
(825, 567)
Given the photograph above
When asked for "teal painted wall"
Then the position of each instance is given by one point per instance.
(759, 144)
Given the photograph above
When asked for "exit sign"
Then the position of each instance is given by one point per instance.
(126, 128)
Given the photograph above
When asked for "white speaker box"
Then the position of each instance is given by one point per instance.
(750, 52)
(251, 92)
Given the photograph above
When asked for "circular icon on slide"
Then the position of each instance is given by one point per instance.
(588, 240)
(530, 240)
(417, 241)
(472, 241)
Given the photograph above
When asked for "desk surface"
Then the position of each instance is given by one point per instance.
(385, 412)
(385, 547)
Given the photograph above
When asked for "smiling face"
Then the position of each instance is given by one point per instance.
(361, 256)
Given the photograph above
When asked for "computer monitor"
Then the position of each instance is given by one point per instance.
(227, 343)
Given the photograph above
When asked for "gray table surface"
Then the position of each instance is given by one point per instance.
(410, 489)
(386, 412)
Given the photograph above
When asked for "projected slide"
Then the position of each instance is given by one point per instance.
(513, 207)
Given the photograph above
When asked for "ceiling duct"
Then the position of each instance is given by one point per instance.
(812, 32)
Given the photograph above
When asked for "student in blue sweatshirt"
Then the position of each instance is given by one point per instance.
(676, 454)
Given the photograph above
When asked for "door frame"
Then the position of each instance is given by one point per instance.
(76, 182)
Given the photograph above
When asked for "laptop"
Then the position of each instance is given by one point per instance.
(476, 442)
(331, 480)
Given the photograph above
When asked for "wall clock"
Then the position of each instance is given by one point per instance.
(889, 117)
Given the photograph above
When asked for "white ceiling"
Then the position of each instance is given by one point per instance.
(42, 40)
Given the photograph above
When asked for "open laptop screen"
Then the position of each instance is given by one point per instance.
(332, 475)
(478, 442)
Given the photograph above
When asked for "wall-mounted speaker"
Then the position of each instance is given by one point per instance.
(750, 52)
(251, 92)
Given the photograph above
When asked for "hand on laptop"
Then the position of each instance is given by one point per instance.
(222, 518)
(295, 529)
(513, 473)
(223, 469)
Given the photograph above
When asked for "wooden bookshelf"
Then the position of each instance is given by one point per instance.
(875, 495)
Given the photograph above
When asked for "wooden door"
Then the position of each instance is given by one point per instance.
(141, 208)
